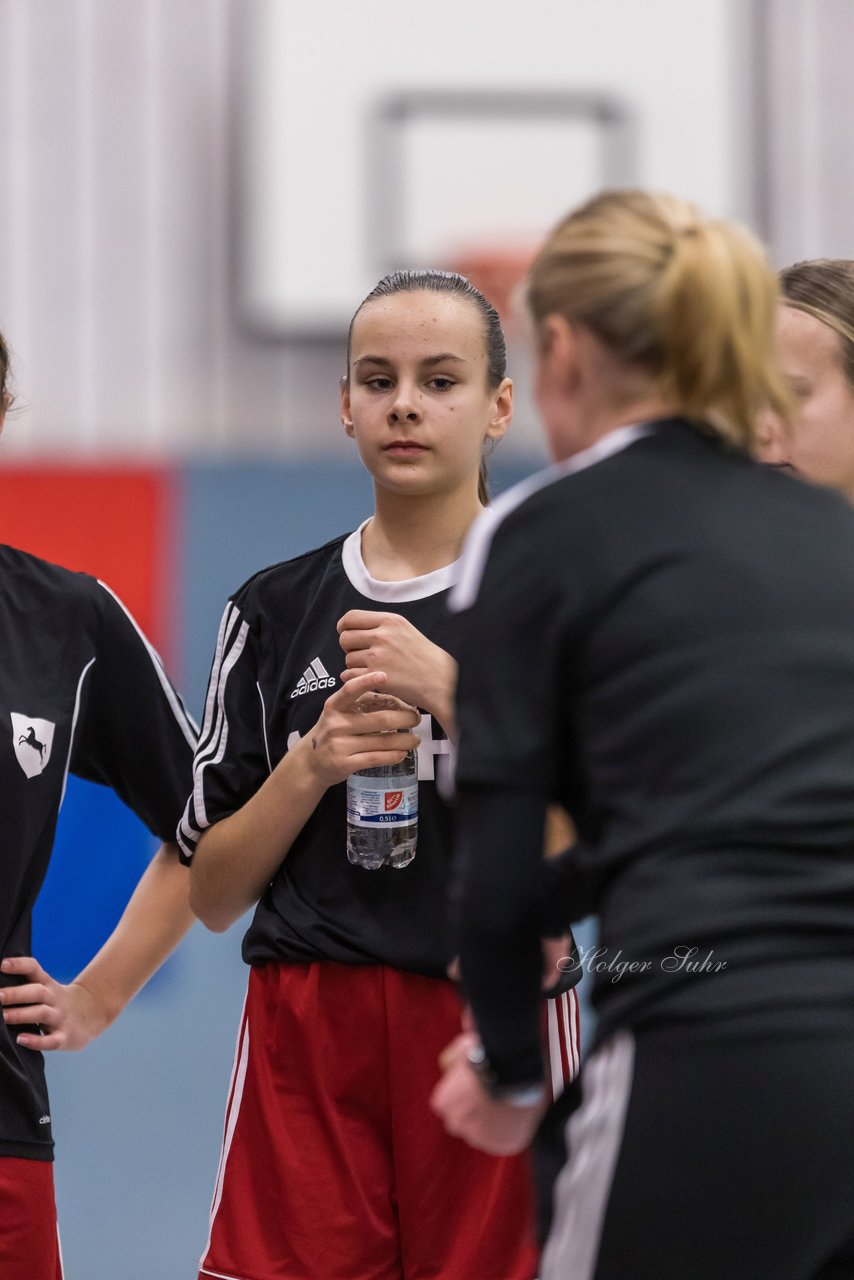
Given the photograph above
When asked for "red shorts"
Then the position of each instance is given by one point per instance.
(29, 1241)
(333, 1165)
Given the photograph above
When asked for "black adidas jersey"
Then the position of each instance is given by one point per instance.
(81, 690)
(671, 637)
(277, 660)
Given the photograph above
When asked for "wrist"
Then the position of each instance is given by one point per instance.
(100, 1008)
(442, 711)
(302, 767)
(521, 1093)
(438, 698)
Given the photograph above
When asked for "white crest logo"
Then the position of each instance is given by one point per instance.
(32, 739)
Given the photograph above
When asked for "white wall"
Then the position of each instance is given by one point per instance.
(318, 178)
(115, 239)
(806, 172)
(123, 128)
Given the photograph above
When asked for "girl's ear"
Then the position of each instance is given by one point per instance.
(557, 340)
(500, 420)
(346, 416)
(772, 444)
(560, 351)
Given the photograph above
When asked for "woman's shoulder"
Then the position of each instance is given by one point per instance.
(30, 578)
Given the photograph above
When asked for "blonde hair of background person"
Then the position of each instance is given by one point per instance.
(815, 344)
(628, 268)
(679, 676)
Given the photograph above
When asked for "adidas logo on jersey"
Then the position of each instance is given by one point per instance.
(314, 677)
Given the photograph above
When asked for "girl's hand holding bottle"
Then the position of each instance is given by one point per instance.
(355, 730)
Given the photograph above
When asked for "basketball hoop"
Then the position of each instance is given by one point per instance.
(499, 272)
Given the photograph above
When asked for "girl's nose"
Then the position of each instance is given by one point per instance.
(405, 407)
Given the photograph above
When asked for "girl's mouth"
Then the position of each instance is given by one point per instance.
(404, 449)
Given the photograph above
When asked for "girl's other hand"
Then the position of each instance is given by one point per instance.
(70, 1015)
(418, 671)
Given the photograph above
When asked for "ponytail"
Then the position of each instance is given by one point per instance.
(5, 398)
(688, 300)
(483, 484)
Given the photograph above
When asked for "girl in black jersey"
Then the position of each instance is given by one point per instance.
(333, 1167)
(815, 344)
(670, 629)
(81, 691)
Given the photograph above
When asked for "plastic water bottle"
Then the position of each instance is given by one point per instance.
(382, 815)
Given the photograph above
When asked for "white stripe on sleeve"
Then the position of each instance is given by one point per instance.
(230, 645)
(74, 716)
(227, 621)
(264, 726)
(185, 721)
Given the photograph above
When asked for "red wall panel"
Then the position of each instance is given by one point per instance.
(117, 523)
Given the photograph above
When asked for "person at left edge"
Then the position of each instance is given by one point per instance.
(81, 690)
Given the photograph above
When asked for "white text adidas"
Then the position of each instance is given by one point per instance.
(314, 677)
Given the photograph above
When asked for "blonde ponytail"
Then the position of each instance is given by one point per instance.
(689, 301)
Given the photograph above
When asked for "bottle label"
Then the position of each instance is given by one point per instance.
(382, 802)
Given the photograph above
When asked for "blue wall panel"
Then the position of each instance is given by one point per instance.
(241, 518)
(100, 852)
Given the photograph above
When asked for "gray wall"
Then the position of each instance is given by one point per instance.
(117, 238)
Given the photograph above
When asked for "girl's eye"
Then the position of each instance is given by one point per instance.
(441, 383)
(379, 383)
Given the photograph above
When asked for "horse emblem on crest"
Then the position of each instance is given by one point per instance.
(32, 740)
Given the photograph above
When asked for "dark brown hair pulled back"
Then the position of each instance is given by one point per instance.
(452, 283)
(5, 398)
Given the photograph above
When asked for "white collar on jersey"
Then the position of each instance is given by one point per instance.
(392, 592)
(479, 538)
